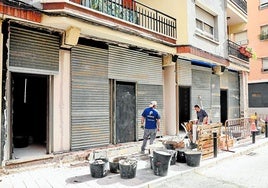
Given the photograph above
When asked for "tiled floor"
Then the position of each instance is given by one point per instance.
(29, 151)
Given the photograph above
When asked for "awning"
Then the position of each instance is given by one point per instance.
(202, 63)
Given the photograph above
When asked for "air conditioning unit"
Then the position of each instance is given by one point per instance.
(218, 69)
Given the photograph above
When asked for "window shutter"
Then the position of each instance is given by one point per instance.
(265, 64)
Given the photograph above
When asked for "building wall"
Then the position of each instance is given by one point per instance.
(217, 9)
(257, 18)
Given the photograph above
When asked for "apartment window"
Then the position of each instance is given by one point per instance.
(263, 3)
(205, 23)
(241, 38)
(264, 32)
(265, 64)
(258, 95)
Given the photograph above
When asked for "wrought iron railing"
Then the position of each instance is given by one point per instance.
(233, 49)
(136, 13)
(241, 4)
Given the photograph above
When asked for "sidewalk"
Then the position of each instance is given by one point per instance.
(78, 175)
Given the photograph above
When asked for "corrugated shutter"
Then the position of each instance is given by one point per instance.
(90, 97)
(33, 51)
(201, 90)
(145, 94)
(233, 95)
(215, 99)
(184, 72)
(134, 66)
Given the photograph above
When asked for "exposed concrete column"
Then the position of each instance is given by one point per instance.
(169, 95)
(61, 104)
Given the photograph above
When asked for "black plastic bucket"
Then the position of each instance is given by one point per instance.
(151, 161)
(128, 168)
(161, 161)
(173, 156)
(169, 146)
(114, 164)
(99, 168)
(181, 156)
(193, 158)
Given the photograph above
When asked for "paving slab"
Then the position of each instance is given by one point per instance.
(78, 175)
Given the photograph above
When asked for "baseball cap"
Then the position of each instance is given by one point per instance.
(153, 103)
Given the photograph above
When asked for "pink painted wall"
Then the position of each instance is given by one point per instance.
(256, 19)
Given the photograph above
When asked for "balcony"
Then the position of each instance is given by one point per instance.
(236, 12)
(136, 13)
(233, 49)
(241, 4)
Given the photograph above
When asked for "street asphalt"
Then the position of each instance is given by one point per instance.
(78, 175)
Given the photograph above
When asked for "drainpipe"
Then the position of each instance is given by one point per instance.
(177, 98)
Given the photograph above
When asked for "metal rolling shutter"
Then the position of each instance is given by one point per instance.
(145, 94)
(215, 99)
(131, 65)
(184, 72)
(201, 90)
(33, 51)
(90, 97)
(233, 95)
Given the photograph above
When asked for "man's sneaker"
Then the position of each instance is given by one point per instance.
(142, 152)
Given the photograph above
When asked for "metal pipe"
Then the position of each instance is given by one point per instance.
(215, 144)
(253, 136)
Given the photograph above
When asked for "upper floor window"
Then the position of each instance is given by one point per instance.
(264, 32)
(241, 38)
(263, 3)
(205, 23)
(265, 64)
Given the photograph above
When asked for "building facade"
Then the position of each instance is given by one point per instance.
(77, 74)
(258, 40)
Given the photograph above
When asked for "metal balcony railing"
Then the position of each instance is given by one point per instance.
(241, 4)
(233, 49)
(136, 13)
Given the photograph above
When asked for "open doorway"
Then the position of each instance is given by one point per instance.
(125, 112)
(224, 107)
(29, 115)
(184, 105)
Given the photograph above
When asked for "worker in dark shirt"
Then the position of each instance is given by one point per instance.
(202, 116)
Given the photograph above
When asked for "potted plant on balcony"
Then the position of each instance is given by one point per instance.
(247, 52)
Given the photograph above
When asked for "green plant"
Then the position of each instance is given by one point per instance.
(253, 54)
(263, 35)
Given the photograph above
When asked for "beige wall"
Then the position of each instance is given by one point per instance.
(61, 105)
(107, 34)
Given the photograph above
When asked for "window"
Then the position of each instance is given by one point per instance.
(265, 64)
(263, 3)
(205, 23)
(199, 24)
(208, 29)
(241, 38)
(264, 32)
(258, 95)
